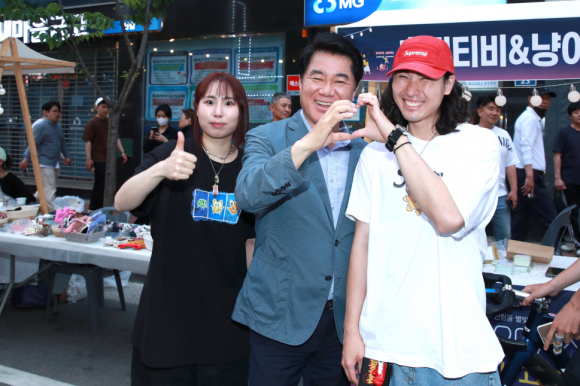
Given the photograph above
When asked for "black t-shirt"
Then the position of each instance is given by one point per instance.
(197, 267)
(567, 143)
(15, 188)
(150, 144)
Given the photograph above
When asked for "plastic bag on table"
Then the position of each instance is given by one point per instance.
(6, 201)
(77, 288)
(111, 283)
(72, 202)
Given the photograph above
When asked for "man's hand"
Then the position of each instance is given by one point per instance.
(353, 352)
(89, 165)
(559, 184)
(124, 157)
(528, 186)
(180, 164)
(513, 197)
(321, 134)
(567, 323)
(538, 291)
(379, 127)
(24, 164)
(67, 162)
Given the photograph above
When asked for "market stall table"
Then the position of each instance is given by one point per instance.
(511, 324)
(57, 249)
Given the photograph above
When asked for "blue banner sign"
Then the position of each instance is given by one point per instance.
(498, 50)
(132, 27)
(334, 12)
(524, 83)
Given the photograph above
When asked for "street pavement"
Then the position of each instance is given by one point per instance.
(63, 350)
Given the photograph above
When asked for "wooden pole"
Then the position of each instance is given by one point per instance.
(28, 128)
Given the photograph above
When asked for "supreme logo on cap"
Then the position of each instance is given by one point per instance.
(416, 53)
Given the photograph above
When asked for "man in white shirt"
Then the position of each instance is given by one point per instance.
(489, 114)
(421, 200)
(533, 196)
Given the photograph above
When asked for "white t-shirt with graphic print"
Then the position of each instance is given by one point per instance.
(425, 302)
(508, 157)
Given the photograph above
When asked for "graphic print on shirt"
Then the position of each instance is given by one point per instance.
(505, 143)
(221, 208)
(409, 199)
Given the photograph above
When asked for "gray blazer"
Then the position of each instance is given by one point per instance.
(298, 251)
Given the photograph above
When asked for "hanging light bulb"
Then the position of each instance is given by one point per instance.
(2, 90)
(352, 37)
(361, 34)
(1, 110)
(466, 93)
(573, 95)
(370, 29)
(500, 100)
(536, 98)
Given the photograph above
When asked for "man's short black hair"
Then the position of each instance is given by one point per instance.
(165, 108)
(573, 107)
(331, 43)
(484, 100)
(49, 105)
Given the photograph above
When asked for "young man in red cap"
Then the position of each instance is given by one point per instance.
(421, 197)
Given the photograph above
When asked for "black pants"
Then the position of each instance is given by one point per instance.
(571, 376)
(572, 193)
(98, 195)
(234, 373)
(541, 204)
(317, 360)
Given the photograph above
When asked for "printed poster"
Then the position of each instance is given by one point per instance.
(258, 65)
(204, 62)
(174, 96)
(168, 68)
(259, 100)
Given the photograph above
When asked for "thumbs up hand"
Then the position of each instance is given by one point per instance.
(180, 165)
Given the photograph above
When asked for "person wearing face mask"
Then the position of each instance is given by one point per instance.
(533, 197)
(183, 333)
(96, 136)
(163, 133)
(186, 122)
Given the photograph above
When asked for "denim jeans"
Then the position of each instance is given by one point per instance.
(423, 376)
(501, 220)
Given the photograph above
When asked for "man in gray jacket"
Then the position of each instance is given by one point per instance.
(50, 143)
(296, 178)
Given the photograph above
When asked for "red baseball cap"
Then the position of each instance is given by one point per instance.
(425, 54)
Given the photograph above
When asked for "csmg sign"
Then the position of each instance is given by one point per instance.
(499, 50)
(326, 12)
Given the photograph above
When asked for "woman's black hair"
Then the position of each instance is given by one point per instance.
(331, 43)
(452, 112)
(8, 163)
(165, 108)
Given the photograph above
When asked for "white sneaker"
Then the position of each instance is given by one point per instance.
(564, 247)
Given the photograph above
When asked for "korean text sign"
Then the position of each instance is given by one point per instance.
(499, 50)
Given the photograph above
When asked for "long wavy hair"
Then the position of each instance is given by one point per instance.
(452, 112)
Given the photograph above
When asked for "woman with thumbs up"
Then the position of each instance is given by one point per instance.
(183, 331)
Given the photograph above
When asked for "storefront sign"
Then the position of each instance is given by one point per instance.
(259, 100)
(525, 83)
(168, 68)
(481, 84)
(25, 29)
(499, 50)
(333, 12)
(293, 84)
(204, 62)
(260, 65)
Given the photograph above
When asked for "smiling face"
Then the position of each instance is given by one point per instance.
(218, 112)
(327, 79)
(419, 98)
(489, 115)
(281, 110)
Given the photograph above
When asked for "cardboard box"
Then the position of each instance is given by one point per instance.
(539, 253)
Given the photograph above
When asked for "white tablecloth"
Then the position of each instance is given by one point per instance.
(58, 249)
(537, 274)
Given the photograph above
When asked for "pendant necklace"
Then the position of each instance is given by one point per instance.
(216, 177)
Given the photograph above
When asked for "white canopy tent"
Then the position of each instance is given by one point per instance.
(17, 59)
